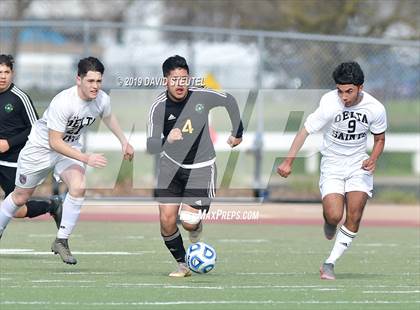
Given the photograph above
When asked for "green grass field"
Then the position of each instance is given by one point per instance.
(125, 266)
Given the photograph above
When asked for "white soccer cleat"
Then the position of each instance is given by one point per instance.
(182, 272)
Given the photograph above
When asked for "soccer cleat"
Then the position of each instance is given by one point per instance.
(61, 247)
(195, 235)
(56, 209)
(329, 230)
(327, 272)
(181, 272)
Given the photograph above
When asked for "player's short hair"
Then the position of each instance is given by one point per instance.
(89, 64)
(7, 60)
(349, 73)
(174, 62)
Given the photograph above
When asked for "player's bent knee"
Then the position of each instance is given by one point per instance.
(167, 221)
(77, 192)
(192, 218)
(334, 219)
(189, 227)
(20, 198)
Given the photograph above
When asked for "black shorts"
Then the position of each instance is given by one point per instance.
(7, 179)
(194, 187)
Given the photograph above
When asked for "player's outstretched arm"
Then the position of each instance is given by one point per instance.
(56, 142)
(232, 107)
(112, 123)
(285, 168)
(378, 147)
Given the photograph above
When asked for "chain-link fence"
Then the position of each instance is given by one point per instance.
(47, 52)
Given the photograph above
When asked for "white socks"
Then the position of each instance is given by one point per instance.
(342, 243)
(71, 212)
(7, 210)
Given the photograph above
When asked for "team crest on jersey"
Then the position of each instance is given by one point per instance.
(22, 179)
(199, 107)
(8, 108)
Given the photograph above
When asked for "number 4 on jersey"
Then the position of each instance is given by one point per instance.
(187, 127)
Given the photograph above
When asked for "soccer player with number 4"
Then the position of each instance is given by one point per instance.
(346, 115)
(178, 129)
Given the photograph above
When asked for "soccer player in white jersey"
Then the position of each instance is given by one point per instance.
(346, 115)
(53, 144)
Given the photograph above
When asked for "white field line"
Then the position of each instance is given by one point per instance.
(206, 302)
(270, 273)
(313, 287)
(88, 273)
(243, 241)
(371, 245)
(62, 281)
(282, 287)
(310, 272)
(32, 252)
(133, 237)
(390, 292)
(51, 236)
(62, 286)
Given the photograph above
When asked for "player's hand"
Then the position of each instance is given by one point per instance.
(284, 169)
(174, 135)
(4, 146)
(128, 151)
(97, 160)
(232, 141)
(369, 165)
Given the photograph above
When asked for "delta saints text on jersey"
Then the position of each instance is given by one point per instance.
(69, 114)
(355, 119)
(74, 127)
(346, 128)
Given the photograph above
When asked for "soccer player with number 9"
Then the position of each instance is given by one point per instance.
(346, 114)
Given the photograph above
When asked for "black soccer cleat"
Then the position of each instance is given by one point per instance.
(56, 209)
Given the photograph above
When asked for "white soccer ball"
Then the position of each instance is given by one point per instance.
(201, 257)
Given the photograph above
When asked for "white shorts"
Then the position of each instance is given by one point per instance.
(341, 175)
(35, 163)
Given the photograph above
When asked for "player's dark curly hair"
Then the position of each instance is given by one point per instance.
(174, 62)
(349, 73)
(7, 60)
(89, 64)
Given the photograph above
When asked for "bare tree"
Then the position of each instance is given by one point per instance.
(14, 10)
(356, 17)
(333, 17)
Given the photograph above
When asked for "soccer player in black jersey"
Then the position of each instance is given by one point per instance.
(178, 129)
(17, 114)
